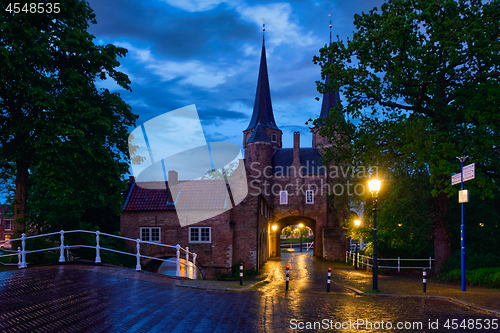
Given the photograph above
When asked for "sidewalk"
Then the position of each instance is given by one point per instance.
(360, 281)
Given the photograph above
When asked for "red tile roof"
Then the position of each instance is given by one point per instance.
(193, 195)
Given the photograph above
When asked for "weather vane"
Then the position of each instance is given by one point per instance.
(330, 15)
(263, 25)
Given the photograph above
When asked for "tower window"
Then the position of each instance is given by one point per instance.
(274, 137)
(283, 197)
(309, 197)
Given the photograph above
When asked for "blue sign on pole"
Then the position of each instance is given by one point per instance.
(465, 174)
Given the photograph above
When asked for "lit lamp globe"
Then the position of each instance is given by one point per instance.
(357, 223)
(374, 186)
(301, 225)
(275, 227)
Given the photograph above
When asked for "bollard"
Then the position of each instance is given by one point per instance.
(328, 280)
(286, 278)
(241, 273)
(425, 280)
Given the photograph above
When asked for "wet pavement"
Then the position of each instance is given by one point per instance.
(84, 298)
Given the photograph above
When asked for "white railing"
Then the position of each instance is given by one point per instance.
(21, 251)
(365, 261)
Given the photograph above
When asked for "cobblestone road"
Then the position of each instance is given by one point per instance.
(107, 299)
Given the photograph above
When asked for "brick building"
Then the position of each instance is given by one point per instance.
(286, 186)
(6, 225)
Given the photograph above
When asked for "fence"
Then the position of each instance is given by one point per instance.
(21, 251)
(365, 261)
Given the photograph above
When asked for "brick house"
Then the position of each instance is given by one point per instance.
(6, 224)
(286, 186)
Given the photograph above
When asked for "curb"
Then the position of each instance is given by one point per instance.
(253, 284)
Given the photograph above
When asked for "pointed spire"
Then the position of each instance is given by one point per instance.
(259, 135)
(329, 99)
(263, 109)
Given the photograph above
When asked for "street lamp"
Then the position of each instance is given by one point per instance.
(275, 227)
(374, 186)
(300, 232)
(357, 223)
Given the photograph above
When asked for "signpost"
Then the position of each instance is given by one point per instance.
(466, 173)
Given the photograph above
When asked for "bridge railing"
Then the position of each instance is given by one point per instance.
(368, 261)
(22, 251)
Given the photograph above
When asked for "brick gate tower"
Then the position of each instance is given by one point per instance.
(293, 181)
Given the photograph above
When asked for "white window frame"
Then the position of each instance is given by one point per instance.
(283, 197)
(198, 240)
(149, 230)
(10, 224)
(309, 196)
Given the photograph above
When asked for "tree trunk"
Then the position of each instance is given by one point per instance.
(442, 246)
(20, 197)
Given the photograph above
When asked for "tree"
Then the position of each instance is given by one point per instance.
(54, 122)
(431, 64)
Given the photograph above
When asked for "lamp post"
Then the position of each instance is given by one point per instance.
(374, 186)
(300, 233)
(357, 223)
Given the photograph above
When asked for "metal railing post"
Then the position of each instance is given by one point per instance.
(187, 258)
(430, 262)
(178, 272)
(61, 247)
(194, 260)
(18, 257)
(138, 255)
(399, 265)
(23, 251)
(97, 248)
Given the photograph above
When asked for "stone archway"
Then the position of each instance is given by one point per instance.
(274, 243)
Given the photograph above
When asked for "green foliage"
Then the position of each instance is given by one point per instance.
(67, 139)
(487, 277)
(235, 271)
(420, 82)
(107, 257)
(286, 230)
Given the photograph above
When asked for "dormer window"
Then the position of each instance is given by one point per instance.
(274, 137)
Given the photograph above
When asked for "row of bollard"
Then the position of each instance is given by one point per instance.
(329, 278)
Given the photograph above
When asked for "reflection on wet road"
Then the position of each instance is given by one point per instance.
(307, 303)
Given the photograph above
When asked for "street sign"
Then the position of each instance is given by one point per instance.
(463, 196)
(469, 173)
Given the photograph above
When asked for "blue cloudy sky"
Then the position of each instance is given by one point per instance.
(207, 53)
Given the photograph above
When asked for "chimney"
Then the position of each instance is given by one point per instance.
(296, 149)
(173, 180)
